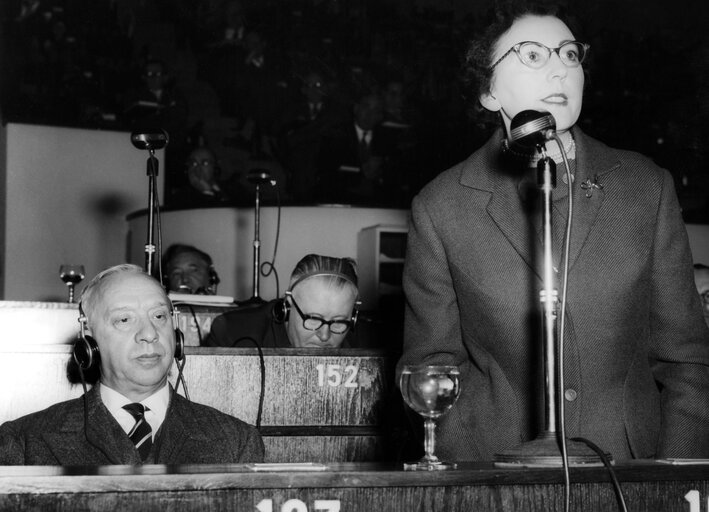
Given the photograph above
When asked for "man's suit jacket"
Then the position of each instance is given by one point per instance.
(241, 327)
(244, 326)
(636, 353)
(69, 434)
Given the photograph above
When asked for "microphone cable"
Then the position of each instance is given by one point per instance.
(262, 368)
(180, 363)
(268, 267)
(158, 226)
(196, 323)
(560, 356)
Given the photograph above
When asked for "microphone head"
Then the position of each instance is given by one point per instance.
(531, 128)
(150, 140)
(257, 176)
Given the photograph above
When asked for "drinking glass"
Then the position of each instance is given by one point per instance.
(430, 390)
(71, 275)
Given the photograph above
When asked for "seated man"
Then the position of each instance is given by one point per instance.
(318, 310)
(186, 269)
(132, 415)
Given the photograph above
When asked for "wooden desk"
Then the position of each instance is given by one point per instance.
(647, 487)
(317, 405)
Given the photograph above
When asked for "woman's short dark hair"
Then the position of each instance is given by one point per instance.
(476, 69)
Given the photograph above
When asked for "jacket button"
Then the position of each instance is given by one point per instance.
(570, 395)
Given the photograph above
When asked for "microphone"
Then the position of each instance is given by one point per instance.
(258, 176)
(531, 129)
(151, 140)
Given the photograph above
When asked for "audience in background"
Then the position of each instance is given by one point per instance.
(71, 63)
(319, 310)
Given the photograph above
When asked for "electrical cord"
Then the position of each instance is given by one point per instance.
(560, 355)
(196, 322)
(262, 367)
(268, 267)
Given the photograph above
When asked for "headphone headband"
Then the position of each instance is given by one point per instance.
(324, 273)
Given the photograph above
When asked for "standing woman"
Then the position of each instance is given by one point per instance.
(636, 351)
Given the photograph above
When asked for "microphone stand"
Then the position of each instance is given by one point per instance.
(152, 172)
(151, 140)
(256, 177)
(545, 450)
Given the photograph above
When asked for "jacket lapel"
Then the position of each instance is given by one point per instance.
(486, 172)
(96, 438)
(173, 433)
(594, 161)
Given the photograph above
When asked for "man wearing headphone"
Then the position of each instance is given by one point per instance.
(317, 311)
(189, 270)
(132, 415)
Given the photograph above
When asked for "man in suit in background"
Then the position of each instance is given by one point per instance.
(318, 310)
(351, 159)
(132, 416)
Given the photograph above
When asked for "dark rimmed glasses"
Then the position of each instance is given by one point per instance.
(314, 322)
(536, 55)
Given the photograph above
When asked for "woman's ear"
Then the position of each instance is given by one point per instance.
(488, 100)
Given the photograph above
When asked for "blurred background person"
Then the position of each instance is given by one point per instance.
(351, 158)
(202, 187)
(187, 269)
(301, 128)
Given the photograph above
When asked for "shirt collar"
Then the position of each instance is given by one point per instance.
(157, 404)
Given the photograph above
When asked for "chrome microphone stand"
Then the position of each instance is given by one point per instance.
(151, 141)
(546, 449)
(257, 177)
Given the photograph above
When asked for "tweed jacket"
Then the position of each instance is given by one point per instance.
(636, 350)
(67, 434)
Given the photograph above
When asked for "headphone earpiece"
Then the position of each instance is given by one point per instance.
(281, 311)
(86, 353)
(355, 315)
(179, 337)
(179, 344)
(213, 276)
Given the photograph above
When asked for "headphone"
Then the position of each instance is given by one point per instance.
(86, 353)
(281, 309)
(213, 276)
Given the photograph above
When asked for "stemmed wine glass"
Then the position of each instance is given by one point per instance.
(430, 390)
(71, 275)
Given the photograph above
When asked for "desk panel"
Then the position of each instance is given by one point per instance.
(647, 487)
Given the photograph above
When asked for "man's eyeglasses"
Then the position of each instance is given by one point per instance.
(314, 322)
(536, 55)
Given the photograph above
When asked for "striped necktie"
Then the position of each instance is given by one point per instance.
(141, 434)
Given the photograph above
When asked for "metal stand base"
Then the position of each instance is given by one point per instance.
(545, 451)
